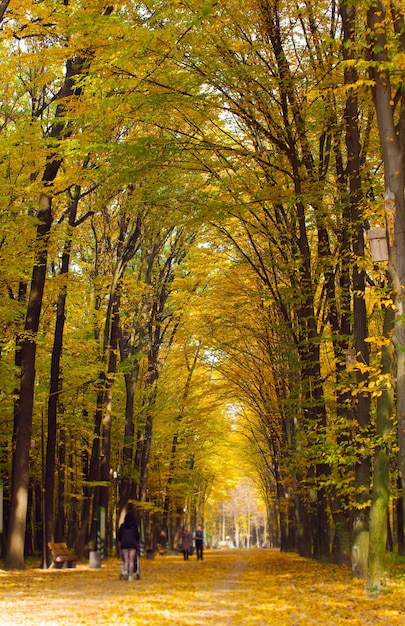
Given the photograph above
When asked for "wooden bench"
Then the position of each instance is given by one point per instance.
(61, 556)
(161, 550)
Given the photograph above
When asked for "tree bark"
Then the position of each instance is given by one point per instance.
(128, 244)
(24, 407)
(382, 483)
(392, 141)
(55, 388)
(399, 513)
(360, 330)
(23, 413)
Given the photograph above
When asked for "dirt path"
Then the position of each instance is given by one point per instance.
(238, 587)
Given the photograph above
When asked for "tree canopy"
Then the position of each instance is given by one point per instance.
(188, 295)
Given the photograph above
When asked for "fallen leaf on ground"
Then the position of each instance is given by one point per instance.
(236, 587)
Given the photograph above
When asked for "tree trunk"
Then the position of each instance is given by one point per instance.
(105, 468)
(381, 484)
(399, 510)
(172, 464)
(55, 387)
(101, 465)
(351, 116)
(24, 407)
(60, 507)
(90, 475)
(392, 140)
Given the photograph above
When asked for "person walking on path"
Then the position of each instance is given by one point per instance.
(185, 542)
(128, 536)
(199, 542)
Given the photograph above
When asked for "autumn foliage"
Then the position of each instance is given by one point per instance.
(249, 587)
(188, 195)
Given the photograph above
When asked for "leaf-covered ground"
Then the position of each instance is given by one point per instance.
(237, 587)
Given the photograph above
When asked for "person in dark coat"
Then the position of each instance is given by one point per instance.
(199, 542)
(128, 536)
(185, 542)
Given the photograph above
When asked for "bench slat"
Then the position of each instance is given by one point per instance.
(61, 555)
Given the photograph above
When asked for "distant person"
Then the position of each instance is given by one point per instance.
(128, 536)
(199, 542)
(185, 542)
(163, 539)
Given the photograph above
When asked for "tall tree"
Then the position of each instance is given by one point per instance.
(24, 406)
(381, 483)
(59, 128)
(56, 379)
(386, 42)
(360, 330)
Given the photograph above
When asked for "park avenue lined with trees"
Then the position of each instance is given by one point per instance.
(202, 244)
